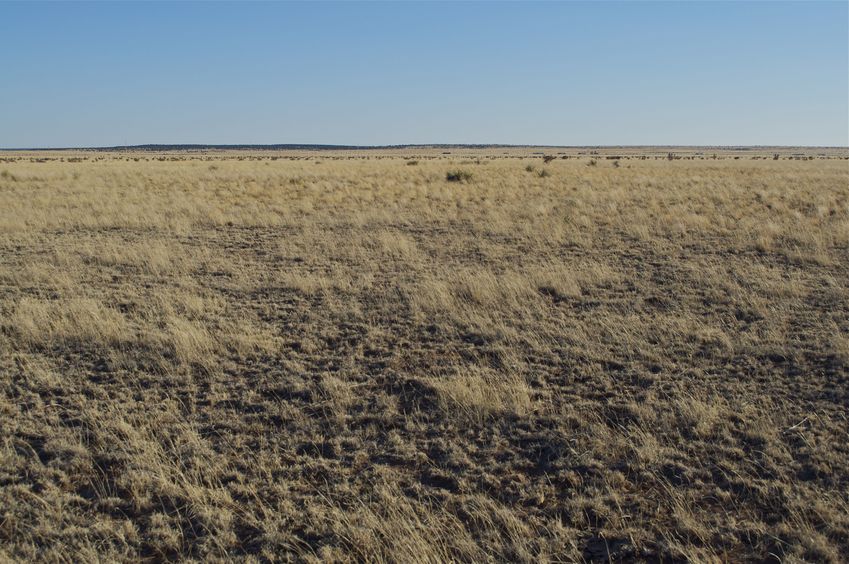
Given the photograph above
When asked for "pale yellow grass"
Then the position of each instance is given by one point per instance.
(340, 357)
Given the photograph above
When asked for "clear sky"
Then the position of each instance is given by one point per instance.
(568, 73)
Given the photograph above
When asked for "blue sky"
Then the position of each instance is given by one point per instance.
(569, 73)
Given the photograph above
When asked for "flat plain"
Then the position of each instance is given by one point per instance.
(556, 355)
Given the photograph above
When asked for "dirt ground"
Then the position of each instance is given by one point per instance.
(626, 355)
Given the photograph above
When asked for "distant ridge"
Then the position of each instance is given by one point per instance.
(318, 147)
(274, 147)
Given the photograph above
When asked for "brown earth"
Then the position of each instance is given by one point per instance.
(345, 356)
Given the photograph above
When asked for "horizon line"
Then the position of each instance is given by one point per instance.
(344, 147)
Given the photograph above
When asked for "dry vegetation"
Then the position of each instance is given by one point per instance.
(335, 357)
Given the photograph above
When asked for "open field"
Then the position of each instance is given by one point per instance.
(344, 356)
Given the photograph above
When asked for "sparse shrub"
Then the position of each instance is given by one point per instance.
(6, 175)
(615, 164)
(459, 176)
(548, 158)
(412, 163)
(543, 173)
(775, 157)
(592, 162)
(529, 168)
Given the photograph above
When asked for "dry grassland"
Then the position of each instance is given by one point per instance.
(328, 357)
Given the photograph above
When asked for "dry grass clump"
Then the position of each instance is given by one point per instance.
(480, 394)
(68, 323)
(243, 356)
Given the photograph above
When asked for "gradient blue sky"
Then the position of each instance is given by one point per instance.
(604, 73)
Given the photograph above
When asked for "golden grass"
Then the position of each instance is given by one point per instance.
(338, 356)
(479, 395)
